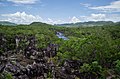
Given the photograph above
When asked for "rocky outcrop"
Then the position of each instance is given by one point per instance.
(31, 62)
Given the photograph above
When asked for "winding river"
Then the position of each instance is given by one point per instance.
(61, 35)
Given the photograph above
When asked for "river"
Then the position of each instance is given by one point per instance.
(61, 35)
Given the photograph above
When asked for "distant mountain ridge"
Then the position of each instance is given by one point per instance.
(79, 24)
(7, 23)
(89, 23)
(38, 23)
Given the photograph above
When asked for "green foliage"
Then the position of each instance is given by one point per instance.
(85, 68)
(117, 66)
(97, 47)
(6, 75)
(93, 67)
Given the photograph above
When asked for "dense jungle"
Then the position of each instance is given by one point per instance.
(36, 51)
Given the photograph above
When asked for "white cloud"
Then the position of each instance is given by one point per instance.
(24, 18)
(74, 20)
(21, 18)
(96, 17)
(51, 21)
(101, 17)
(23, 1)
(113, 17)
(112, 7)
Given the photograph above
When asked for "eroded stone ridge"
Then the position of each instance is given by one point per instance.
(30, 62)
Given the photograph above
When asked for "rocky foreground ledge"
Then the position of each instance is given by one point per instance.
(31, 62)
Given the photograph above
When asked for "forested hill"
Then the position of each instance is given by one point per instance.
(39, 24)
(35, 52)
(79, 24)
(7, 23)
(88, 24)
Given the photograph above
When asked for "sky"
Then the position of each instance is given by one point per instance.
(59, 11)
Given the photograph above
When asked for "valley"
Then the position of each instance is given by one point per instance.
(44, 51)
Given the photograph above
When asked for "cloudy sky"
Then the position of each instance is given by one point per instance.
(59, 11)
